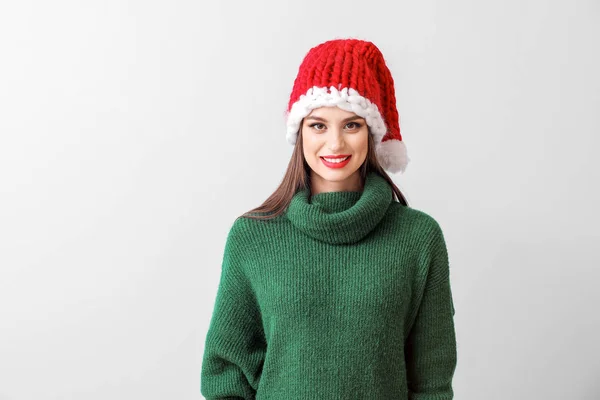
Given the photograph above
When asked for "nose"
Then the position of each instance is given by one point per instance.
(336, 139)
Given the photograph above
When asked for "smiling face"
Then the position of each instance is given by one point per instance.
(327, 134)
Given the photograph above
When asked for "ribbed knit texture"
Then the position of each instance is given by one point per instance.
(346, 296)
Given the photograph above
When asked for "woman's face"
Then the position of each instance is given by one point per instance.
(331, 131)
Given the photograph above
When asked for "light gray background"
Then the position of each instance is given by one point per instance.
(134, 132)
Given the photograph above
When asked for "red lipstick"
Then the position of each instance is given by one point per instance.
(340, 164)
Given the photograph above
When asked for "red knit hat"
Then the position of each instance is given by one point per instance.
(350, 74)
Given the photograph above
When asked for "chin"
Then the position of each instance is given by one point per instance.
(336, 175)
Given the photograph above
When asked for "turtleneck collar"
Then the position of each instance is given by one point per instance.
(341, 217)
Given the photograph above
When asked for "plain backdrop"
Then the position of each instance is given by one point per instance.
(133, 133)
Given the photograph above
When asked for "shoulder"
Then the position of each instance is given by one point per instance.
(417, 228)
(248, 233)
(415, 220)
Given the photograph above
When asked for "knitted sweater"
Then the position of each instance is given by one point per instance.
(345, 296)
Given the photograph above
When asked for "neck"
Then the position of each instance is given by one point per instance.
(353, 183)
(341, 217)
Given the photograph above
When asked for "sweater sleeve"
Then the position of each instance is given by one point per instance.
(430, 348)
(235, 345)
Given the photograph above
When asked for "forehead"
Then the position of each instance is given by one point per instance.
(331, 112)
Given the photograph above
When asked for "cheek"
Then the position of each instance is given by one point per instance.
(308, 148)
(362, 143)
(310, 144)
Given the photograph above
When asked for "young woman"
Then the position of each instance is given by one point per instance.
(334, 288)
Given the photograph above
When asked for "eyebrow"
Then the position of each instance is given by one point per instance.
(324, 120)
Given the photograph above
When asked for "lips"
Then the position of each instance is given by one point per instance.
(336, 164)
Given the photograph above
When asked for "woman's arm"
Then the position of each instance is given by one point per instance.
(430, 348)
(235, 344)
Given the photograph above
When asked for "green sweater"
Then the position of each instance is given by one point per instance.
(346, 296)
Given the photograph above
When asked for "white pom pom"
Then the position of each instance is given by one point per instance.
(392, 155)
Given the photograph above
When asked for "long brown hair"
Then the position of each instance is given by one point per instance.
(297, 177)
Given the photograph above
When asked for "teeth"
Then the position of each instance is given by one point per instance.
(335, 160)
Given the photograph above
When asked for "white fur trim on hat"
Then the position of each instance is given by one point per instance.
(391, 154)
(347, 99)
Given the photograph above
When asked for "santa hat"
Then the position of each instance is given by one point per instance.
(352, 75)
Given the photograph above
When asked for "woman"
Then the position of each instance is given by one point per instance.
(334, 288)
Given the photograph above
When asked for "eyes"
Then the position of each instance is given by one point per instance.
(318, 124)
